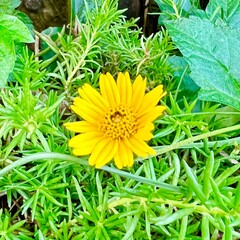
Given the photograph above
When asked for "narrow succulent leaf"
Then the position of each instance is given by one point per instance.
(237, 198)
(167, 219)
(132, 226)
(183, 228)
(197, 188)
(227, 173)
(218, 196)
(205, 228)
(208, 173)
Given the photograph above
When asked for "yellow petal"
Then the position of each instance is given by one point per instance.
(81, 103)
(91, 95)
(80, 127)
(125, 88)
(150, 116)
(109, 90)
(86, 111)
(138, 92)
(84, 115)
(112, 149)
(103, 152)
(124, 156)
(150, 100)
(144, 133)
(139, 147)
(85, 138)
(86, 148)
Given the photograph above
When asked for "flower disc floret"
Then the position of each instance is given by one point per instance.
(117, 122)
(120, 122)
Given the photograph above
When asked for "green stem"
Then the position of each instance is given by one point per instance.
(228, 142)
(179, 204)
(59, 156)
(197, 138)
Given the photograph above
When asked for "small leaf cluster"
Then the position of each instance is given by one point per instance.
(25, 111)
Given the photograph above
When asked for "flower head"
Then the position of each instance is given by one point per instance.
(117, 122)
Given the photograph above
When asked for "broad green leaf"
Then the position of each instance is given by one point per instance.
(7, 58)
(12, 26)
(228, 10)
(7, 6)
(12, 31)
(213, 54)
(188, 88)
(79, 8)
(173, 9)
(26, 20)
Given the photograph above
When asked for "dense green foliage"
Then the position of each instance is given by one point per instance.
(189, 190)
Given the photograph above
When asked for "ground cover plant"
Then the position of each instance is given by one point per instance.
(171, 128)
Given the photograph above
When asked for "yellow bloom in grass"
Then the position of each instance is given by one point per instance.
(117, 122)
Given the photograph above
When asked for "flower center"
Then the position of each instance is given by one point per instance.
(119, 122)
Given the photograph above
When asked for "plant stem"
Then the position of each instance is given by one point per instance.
(179, 204)
(219, 143)
(196, 138)
(59, 156)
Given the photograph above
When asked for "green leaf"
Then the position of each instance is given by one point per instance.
(11, 29)
(213, 54)
(205, 227)
(218, 196)
(16, 226)
(188, 88)
(55, 230)
(16, 139)
(10, 25)
(237, 197)
(208, 172)
(51, 198)
(171, 9)
(8, 6)
(7, 58)
(228, 229)
(194, 183)
(167, 219)
(183, 228)
(79, 8)
(228, 10)
(26, 20)
(226, 174)
(132, 226)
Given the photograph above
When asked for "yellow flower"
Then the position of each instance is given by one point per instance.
(117, 122)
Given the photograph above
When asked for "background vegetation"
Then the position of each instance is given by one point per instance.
(189, 190)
